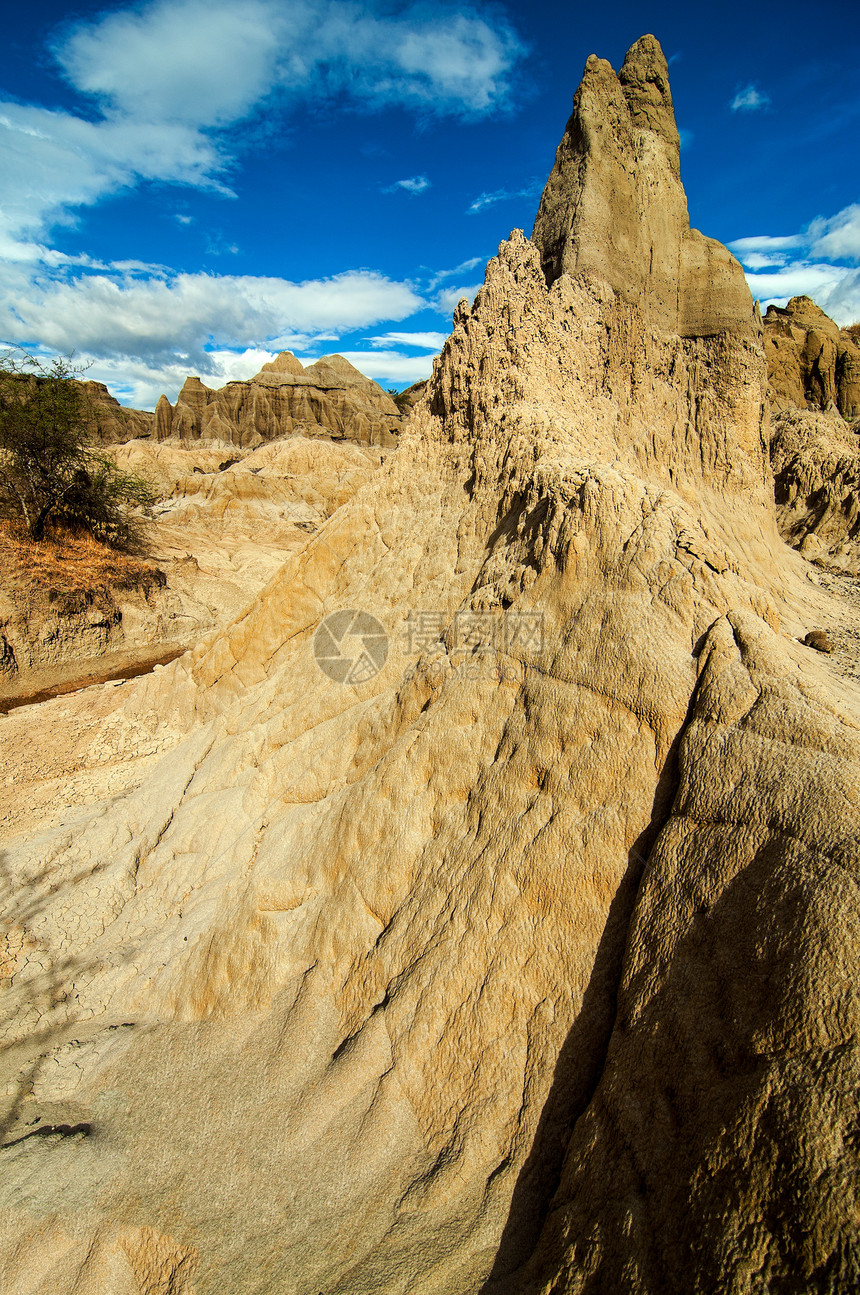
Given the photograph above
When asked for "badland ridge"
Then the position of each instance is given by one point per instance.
(521, 963)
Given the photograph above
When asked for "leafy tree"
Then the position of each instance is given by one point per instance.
(49, 468)
(401, 400)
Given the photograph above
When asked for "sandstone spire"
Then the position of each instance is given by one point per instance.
(522, 963)
(614, 205)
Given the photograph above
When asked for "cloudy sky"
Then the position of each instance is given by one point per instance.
(193, 185)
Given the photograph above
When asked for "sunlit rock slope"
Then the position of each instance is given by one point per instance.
(523, 959)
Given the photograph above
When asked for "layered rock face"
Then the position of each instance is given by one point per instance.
(110, 422)
(512, 958)
(812, 363)
(614, 204)
(329, 397)
(814, 389)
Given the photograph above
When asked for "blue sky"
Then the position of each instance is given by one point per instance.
(193, 185)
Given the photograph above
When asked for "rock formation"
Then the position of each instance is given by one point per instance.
(109, 421)
(329, 397)
(811, 362)
(614, 205)
(814, 389)
(409, 398)
(521, 962)
(816, 468)
(221, 529)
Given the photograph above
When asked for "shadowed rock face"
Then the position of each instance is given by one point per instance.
(328, 398)
(816, 466)
(614, 205)
(109, 421)
(520, 964)
(814, 392)
(812, 363)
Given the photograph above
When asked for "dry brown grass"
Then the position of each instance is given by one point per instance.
(67, 562)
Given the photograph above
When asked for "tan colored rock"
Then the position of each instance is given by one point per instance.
(812, 363)
(221, 530)
(725, 1080)
(412, 395)
(820, 640)
(109, 421)
(518, 965)
(816, 467)
(814, 390)
(329, 398)
(614, 205)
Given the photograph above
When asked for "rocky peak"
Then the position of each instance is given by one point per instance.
(336, 371)
(109, 421)
(285, 362)
(644, 78)
(614, 205)
(329, 398)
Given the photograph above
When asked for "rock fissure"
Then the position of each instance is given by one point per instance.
(541, 986)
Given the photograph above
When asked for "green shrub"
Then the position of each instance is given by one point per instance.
(50, 471)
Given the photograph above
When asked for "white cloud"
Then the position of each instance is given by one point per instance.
(839, 237)
(463, 268)
(485, 200)
(52, 162)
(763, 261)
(138, 62)
(749, 99)
(164, 318)
(448, 298)
(799, 280)
(164, 111)
(417, 184)
(842, 301)
(391, 366)
(422, 341)
(766, 244)
(809, 264)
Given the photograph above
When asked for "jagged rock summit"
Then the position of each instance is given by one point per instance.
(330, 397)
(614, 205)
(109, 421)
(514, 961)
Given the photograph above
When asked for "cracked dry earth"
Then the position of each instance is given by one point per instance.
(516, 968)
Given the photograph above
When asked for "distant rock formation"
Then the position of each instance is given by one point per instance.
(110, 422)
(477, 912)
(811, 362)
(409, 398)
(329, 398)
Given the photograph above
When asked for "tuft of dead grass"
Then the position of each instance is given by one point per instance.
(68, 562)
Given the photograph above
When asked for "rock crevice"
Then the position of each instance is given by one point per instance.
(400, 993)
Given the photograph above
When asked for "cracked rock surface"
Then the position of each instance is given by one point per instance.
(523, 964)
